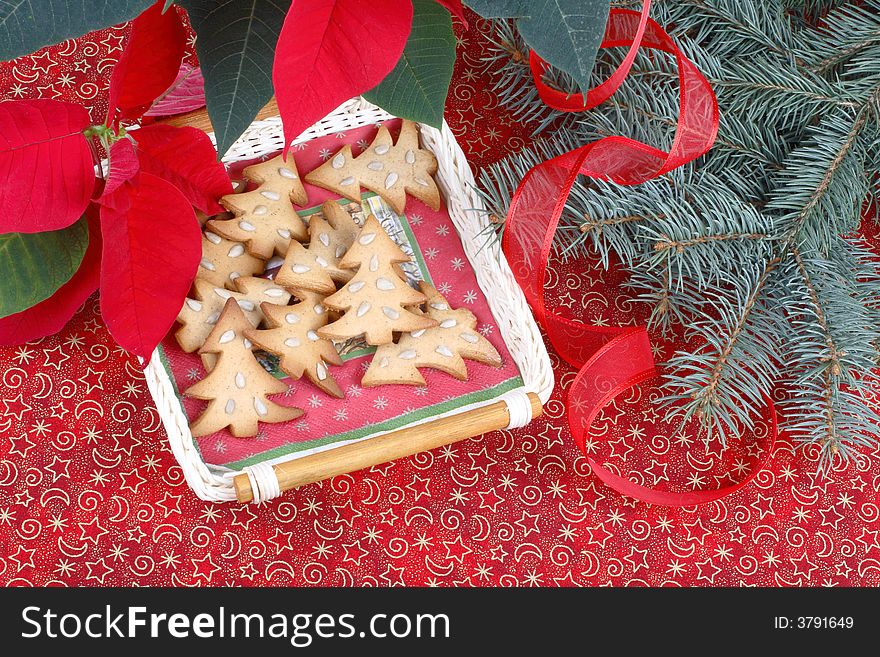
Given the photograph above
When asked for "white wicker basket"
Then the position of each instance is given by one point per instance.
(508, 305)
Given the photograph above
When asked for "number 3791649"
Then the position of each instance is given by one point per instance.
(814, 622)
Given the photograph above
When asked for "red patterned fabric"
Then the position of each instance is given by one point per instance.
(90, 495)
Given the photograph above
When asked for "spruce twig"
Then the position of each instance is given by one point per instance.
(833, 359)
(597, 225)
(680, 245)
(743, 247)
(707, 398)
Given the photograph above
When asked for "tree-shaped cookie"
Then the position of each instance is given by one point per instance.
(374, 301)
(264, 217)
(237, 186)
(317, 267)
(443, 347)
(388, 169)
(199, 316)
(224, 260)
(237, 388)
(292, 337)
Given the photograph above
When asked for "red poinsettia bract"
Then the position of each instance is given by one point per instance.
(456, 9)
(148, 65)
(331, 50)
(144, 238)
(327, 52)
(151, 252)
(46, 165)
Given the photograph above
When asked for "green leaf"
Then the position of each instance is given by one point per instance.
(236, 47)
(566, 33)
(500, 8)
(34, 265)
(417, 86)
(26, 26)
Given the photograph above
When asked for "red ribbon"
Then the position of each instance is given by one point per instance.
(611, 359)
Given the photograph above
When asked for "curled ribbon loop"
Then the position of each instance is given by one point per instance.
(611, 359)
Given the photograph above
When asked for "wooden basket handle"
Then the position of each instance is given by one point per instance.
(199, 118)
(390, 447)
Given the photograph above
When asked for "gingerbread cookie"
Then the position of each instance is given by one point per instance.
(442, 348)
(208, 361)
(237, 186)
(199, 316)
(238, 386)
(224, 260)
(317, 267)
(388, 169)
(374, 301)
(264, 217)
(292, 337)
